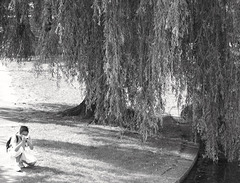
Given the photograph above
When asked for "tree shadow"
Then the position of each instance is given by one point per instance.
(45, 113)
(108, 146)
(125, 158)
(39, 169)
(111, 135)
(5, 176)
(31, 174)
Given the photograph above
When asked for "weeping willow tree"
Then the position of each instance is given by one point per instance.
(124, 51)
(206, 58)
(17, 39)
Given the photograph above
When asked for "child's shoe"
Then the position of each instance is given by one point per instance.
(17, 168)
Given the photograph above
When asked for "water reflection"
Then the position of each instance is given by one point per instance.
(206, 171)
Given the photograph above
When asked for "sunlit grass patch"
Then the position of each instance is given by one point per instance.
(91, 154)
(70, 150)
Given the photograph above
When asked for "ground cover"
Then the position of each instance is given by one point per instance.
(70, 150)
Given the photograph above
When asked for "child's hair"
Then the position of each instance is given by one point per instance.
(23, 128)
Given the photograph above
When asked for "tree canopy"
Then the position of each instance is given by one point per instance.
(125, 50)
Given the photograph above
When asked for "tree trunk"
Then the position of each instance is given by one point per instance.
(80, 110)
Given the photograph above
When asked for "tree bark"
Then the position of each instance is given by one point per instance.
(80, 110)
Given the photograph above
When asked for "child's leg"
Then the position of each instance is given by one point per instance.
(17, 164)
(19, 161)
(28, 158)
(18, 158)
(30, 164)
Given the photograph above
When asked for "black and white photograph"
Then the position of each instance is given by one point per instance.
(119, 91)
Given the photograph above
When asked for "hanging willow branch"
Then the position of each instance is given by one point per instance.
(125, 51)
(16, 34)
(210, 69)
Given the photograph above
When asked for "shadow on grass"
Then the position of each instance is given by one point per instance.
(124, 158)
(46, 170)
(104, 152)
(5, 177)
(39, 169)
(34, 174)
(47, 113)
(41, 113)
(43, 173)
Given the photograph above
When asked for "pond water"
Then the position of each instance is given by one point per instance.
(205, 171)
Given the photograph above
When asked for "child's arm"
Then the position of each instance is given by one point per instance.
(29, 142)
(17, 146)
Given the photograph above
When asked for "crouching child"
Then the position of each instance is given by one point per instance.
(20, 147)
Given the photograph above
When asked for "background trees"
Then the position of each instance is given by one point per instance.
(124, 50)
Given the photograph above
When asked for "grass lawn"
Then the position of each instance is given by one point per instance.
(68, 150)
